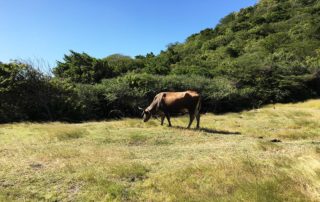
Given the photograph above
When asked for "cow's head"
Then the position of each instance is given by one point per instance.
(153, 107)
(146, 114)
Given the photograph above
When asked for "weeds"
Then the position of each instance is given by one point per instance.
(71, 134)
(131, 172)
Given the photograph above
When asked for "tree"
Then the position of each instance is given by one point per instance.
(82, 68)
(121, 64)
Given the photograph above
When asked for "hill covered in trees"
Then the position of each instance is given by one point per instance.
(262, 54)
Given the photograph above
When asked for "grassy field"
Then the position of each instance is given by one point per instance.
(232, 158)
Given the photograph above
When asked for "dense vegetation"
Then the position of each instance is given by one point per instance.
(262, 54)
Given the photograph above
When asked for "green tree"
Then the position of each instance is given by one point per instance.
(82, 68)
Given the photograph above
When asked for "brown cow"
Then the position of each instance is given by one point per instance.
(166, 103)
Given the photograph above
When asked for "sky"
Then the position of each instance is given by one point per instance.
(47, 29)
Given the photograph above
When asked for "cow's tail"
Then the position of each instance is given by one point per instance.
(198, 107)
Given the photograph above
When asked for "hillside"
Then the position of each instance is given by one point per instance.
(281, 34)
(273, 33)
(232, 158)
(267, 53)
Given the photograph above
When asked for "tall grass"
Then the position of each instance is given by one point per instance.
(231, 159)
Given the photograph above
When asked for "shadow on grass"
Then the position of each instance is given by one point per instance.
(209, 130)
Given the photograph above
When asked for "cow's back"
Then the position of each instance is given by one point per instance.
(180, 101)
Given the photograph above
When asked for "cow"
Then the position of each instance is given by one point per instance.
(168, 103)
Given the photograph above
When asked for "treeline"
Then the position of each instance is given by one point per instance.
(262, 54)
(28, 94)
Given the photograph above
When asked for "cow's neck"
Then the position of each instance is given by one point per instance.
(152, 108)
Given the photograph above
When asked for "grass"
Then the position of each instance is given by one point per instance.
(231, 158)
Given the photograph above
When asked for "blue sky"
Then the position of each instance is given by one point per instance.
(48, 29)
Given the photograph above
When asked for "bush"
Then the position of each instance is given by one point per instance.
(29, 95)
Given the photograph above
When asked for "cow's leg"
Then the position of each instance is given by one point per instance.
(168, 118)
(197, 112)
(198, 120)
(162, 119)
(191, 119)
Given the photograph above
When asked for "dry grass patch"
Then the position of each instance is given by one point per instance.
(231, 158)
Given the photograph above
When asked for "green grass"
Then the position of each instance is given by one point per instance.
(231, 158)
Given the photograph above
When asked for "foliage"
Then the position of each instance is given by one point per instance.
(120, 64)
(82, 68)
(262, 54)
